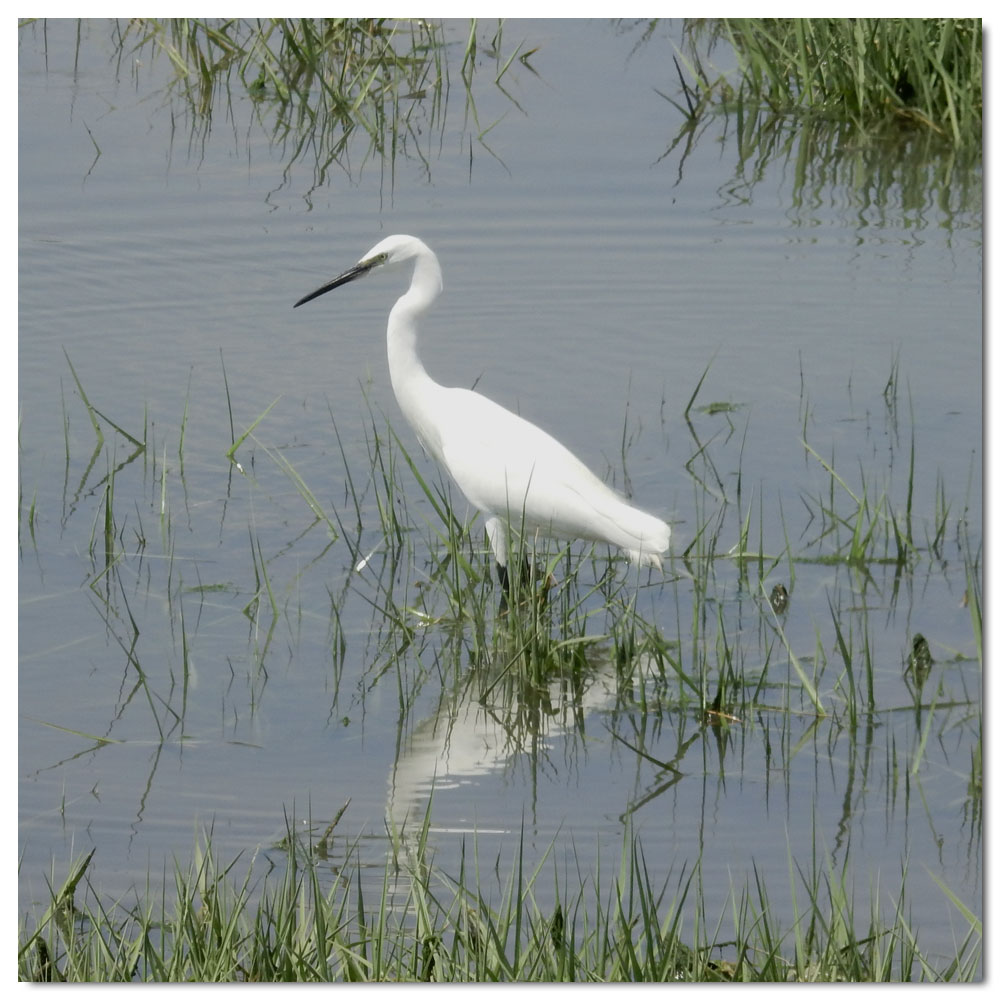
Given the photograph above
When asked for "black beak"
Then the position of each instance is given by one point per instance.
(359, 270)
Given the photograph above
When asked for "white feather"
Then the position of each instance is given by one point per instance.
(519, 476)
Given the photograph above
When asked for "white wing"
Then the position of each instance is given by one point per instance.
(506, 466)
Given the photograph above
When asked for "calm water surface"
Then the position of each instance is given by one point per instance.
(589, 283)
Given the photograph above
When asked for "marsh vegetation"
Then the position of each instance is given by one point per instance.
(763, 764)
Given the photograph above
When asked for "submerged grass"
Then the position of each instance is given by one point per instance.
(322, 84)
(336, 94)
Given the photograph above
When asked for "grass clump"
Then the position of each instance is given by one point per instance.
(335, 94)
(325, 88)
(333, 66)
(216, 924)
(869, 72)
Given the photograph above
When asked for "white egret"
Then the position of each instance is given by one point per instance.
(519, 476)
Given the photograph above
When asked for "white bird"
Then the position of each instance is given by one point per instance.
(520, 477)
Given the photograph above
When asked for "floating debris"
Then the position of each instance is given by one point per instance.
(779, 599)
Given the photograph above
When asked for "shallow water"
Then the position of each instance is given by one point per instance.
(589, 283)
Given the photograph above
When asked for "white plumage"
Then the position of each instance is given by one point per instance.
(519, 476)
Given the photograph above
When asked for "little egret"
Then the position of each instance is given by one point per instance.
(519, 476)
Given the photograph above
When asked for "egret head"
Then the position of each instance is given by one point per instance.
(391, 252)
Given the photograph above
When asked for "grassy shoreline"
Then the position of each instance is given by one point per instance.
(431, 925)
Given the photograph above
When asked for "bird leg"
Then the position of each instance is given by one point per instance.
(523, 584)
(496, 531)
(503, 575)
(504, 579)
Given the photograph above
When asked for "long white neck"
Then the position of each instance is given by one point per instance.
(411, 384)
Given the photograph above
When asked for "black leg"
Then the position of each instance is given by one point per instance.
(503, 575)
(504, 579)
(525, 571)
